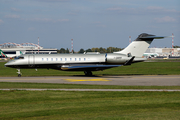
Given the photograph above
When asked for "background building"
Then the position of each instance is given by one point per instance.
(14, 49)
(163, 52)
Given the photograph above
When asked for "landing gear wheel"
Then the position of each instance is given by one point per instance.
(88, 73)
(19, 75)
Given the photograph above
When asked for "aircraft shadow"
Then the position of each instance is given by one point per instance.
(103, 76)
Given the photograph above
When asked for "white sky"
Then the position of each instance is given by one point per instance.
(90, 23)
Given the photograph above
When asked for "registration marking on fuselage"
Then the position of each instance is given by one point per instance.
(80, 80)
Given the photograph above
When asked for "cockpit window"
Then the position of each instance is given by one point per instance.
(19, 57)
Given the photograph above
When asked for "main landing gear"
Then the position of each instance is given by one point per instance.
(88, 73)
(19, 72)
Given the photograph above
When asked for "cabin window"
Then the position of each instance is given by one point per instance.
(65, 59)
(42, 59)
(79, 59)
(47, 59)
(84, 59)
(51, 59)
(70, 59)
(56, 59)
(61, 59)
(75, 59)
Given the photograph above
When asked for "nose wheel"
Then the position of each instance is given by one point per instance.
(19, 72)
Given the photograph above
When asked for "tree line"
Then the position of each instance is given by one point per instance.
(176, 46)
(100, 50)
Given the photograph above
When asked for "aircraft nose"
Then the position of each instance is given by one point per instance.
(8, 64)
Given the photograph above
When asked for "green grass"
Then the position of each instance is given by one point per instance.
(74, 105)
(27, 105)
(143, 68)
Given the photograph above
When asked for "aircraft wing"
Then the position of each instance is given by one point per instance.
(90, 67)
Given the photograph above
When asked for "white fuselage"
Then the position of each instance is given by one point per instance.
(44, 60)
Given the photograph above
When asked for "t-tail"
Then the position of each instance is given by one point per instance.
(138, 47)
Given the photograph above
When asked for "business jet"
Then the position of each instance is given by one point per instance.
(86, 62)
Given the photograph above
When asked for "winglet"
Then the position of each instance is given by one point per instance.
(129, 61)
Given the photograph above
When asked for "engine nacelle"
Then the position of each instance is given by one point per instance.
(116, 58)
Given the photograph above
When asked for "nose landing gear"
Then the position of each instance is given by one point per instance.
(19, 72)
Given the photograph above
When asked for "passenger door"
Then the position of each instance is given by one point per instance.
(31, 60)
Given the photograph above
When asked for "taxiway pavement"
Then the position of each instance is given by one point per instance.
(137, 80)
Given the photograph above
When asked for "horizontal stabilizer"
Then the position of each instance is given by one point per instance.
(154, 37)
(149, 37)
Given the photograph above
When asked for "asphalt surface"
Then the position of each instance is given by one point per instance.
(138, 80)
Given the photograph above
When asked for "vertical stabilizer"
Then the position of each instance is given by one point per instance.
(140, 45)
(2, 54)
(18, 53)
